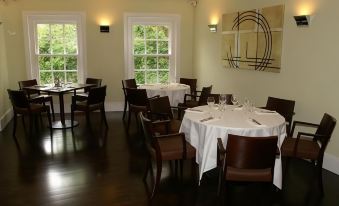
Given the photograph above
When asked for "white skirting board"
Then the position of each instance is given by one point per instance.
(331, 162)
(6, 118)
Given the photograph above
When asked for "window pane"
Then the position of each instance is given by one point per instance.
(139, 47)
(57, 39)
(46, 78)
(162, 32)
(138, 31)
(163, 62)
(151, 63)
(163, 76)
(151, 77)
(151, 32)
(140, 77)
(44, 63)
(71, 63)
(163, 47)
(58, 63)
(139, 63)
(70, 34)
(72, 77)
(151, 47)
(60, 76)
(43, 38)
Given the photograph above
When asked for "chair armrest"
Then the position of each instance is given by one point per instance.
(300, 123)
(179, 135)
(156, 96)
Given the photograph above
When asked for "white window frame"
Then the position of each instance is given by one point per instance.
(170, 20)
(31, 19)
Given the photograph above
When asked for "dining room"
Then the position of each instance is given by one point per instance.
(158, 43)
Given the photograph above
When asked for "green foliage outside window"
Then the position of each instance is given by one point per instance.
(57, 52)
(151, 53)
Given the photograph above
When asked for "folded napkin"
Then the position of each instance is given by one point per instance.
(264, 112)
(209, 119)
(194, 110)
(255, 122)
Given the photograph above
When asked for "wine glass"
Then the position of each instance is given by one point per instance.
(234, 100)
(222, 102)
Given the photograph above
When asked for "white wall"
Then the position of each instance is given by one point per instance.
(310, 60)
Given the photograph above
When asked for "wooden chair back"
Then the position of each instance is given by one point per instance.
(191, 82)
(325, 130)
(205, 92)
(96, 82)
(18, 98)
(160, 108)
(284, 107)
(29, 83)
(96, 95)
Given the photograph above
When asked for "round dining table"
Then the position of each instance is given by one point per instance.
(203, 125)
(175, 91)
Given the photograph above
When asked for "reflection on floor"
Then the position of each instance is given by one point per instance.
(94, 166)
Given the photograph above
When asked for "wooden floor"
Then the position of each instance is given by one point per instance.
(99, 167)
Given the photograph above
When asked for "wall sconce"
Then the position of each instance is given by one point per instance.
(104, 29)
(213, 27)
(302, 20)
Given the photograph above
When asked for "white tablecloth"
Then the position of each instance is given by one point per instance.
(176, 92)
(203, 135)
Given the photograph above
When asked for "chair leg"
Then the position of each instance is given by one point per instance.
(72, 116)
(52, 107)
(103, 114)
(49, 122)
(157, 178)
(31, 121)
(148, 166)
(320, 178)
(125, 109)
(87, 117)
(181, 169)
(14, 123)
(129, 120)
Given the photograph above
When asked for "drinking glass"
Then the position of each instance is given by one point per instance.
(222, 102)
(210, 102)
(234, 100)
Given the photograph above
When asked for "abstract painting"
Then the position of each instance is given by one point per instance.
(253, 39)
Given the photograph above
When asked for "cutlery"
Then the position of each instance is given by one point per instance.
(255, 121)
(206, 119)
(195, 110)
(267, 111)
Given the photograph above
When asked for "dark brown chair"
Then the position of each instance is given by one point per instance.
(284, 107)
(127, 83)
(36, 96)
(160, 109)
(162, 148)
(310, 146)
(22, 106)
(191, 82)
(246, 159)
(190, 100)
(84, 96)
(217, 96)
(95, 101)
(137, 102)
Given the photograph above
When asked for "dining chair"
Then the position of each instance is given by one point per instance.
(36, 96)
(160, 109)
(191, 100)
(217, 96)
(162, 148)
(310, 146)
(284, 107)
(191, 82)
(127, 83)
(84, 96)
(23, 106)
(245, 159)
(137, 102)
(95, 101)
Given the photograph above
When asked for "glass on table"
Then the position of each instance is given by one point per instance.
(222, 102)
(234, 100)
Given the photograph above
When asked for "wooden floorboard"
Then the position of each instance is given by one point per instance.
(99, 167)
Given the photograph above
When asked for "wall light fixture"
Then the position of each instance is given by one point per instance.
(213, 27)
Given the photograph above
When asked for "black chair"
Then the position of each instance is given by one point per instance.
(310, 146)
(22, 106)
(191, 100)
(127, 83)
(191, 82)
(84, 96)
(36, 96)
(162, 148)
(160, 109)
(95, 101)
(284, 107)
(246, 159)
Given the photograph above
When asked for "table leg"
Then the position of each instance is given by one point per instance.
(62, 108)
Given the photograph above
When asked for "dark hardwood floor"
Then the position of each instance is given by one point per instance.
(105, 167)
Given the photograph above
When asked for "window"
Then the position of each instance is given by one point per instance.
(151, 48)
(55, 48)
